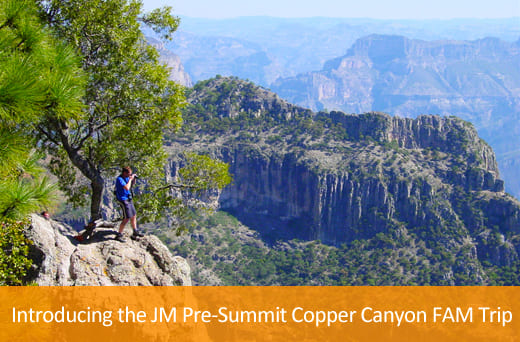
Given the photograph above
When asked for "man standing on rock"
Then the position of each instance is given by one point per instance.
(124, 196)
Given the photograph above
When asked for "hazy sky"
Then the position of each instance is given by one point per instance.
(379, 9)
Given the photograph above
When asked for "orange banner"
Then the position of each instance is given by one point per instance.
(260, 313)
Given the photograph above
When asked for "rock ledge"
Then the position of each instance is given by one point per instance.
(59, 260)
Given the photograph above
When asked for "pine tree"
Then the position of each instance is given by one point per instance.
(37, 74)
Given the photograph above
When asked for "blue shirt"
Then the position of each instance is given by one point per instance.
(121, 193)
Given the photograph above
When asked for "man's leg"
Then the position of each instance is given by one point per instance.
(124, 221)
(136, 233)
(123, 224)
(119, 235)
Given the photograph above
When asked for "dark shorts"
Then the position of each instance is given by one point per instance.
(128, 208)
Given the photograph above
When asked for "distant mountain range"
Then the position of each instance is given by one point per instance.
(478, 81)
(262, 49)
(409, 68)
(404, 76)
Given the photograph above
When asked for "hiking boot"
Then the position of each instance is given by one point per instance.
(137, 234)
(119, 237)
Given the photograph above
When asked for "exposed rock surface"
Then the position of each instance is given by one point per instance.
(60, 260)
(346, 195)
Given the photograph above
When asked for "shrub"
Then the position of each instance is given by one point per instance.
(14, 250)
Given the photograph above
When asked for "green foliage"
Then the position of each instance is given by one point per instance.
(161, 20)
(23, 188)
(18, 198)
(14, 248)
(114, 116)
(37, 72)
(201, 173)
(38, 75)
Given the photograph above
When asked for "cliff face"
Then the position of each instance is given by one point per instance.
(429, 185)
(338, 197)
(59, 260)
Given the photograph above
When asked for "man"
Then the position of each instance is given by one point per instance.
(124, 196)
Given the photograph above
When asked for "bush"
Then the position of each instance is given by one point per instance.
(14, 250)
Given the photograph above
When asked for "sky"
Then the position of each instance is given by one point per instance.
(377, 9)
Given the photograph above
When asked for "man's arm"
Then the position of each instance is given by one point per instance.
(129, 184)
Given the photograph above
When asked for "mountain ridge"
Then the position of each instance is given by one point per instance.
(428, 187)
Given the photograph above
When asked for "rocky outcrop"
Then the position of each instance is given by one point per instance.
(58, 259)
(298, 196)
(289, 195)
(433, 132)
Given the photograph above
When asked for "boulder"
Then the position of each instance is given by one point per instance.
(60, 260)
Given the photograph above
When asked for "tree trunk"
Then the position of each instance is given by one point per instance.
(86, 167)
(97, 185)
